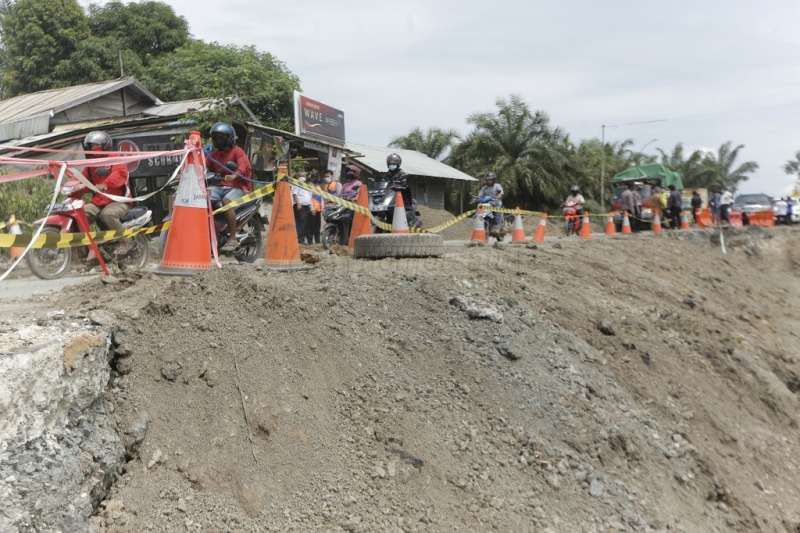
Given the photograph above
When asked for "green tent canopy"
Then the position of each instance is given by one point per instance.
(652, 172)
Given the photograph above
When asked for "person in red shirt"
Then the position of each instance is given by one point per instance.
(235, 183)
(111, 179)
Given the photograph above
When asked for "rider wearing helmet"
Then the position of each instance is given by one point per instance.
(112, 179)
(492, 189)
(236, 184)
(575, 199)
(398, 181)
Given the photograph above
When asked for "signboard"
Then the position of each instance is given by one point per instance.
(317, 121)
(155, 141)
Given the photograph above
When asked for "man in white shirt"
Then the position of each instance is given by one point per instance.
(302, 211)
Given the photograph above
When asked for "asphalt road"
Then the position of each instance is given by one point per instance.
(24, 287)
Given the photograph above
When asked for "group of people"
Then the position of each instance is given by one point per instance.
(310, 206)
(668, 202)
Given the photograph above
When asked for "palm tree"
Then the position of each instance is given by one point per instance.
(435, 142)
(722, 170)
(521, 147)
(792, 167)
(692, 169)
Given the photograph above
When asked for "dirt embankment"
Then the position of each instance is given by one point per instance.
(636, 385)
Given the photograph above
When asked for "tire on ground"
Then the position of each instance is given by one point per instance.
(383, 245)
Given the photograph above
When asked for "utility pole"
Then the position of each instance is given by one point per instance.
(121, 64)
(603, 153)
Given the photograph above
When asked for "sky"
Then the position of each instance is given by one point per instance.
(714, 70)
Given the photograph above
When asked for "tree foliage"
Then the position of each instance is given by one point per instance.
(434, 142)
(711, 170)
(55, 43)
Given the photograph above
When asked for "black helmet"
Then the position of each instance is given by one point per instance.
(97, 141)
(394, 159)
(574, 189)
(223, 136)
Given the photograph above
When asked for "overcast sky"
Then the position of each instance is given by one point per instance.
(717, 70)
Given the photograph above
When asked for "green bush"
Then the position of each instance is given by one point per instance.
(27, 199)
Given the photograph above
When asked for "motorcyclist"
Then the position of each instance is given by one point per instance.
(398, 181)
(351, 182)
(112, 179)
(234, 185)
(575, 200)
(492, 189)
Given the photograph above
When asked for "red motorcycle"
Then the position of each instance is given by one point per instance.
(70, 216)
(573, 215)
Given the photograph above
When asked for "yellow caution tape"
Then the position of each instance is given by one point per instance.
(71, 240)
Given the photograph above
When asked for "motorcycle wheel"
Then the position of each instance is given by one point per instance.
(137, 257)
(49, 263)
(250, 249)
(330, 236)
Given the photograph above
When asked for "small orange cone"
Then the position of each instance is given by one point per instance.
(586, 227)
(626, 224)
(478, 229)
(541, 228)
(14, 229)
(656, 224)
(399, 220)
(518, 234)
(362, 225)
(282, 250)
(611, 229)
(684, 220)
(188, 246)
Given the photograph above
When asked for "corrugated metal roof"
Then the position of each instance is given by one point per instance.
(414, 163)
(174, 109)
(54, 101)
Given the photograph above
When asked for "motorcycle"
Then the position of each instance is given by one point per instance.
(573, 221)
(338, 220)
(53, 263)
(496, 224)
(381, 204)
(251, 224)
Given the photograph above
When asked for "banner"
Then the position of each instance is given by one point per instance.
(335, 161)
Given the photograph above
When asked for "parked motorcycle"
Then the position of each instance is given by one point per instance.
(381, 204)
(53, 263)
(338, 220)
(248, 218)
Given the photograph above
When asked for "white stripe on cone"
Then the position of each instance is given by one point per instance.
(399, 220)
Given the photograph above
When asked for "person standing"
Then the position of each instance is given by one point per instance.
(674, 206)
(628, 199)
(725, 205)
(315, 216)
(302, 209)
(697, 206)
(714, 204)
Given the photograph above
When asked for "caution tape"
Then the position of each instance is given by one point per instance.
(72, 240)
(266, 190)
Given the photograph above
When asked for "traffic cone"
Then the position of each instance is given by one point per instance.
(478, 229)
(586, 227)
(282, 250)
(362, 224)
(518, 234)
(188, 246)
(14, 229)
(611, 229)
(656, 224)
(684, 221)
(541, 228)
(626, 224)
(399, 220)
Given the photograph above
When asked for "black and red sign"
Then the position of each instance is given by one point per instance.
(318, 121)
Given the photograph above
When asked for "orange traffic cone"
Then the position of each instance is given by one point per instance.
(282, 251)
(541, 228)
(656, 224)
(478, 229)
(611, 229)
(188, 246)
(586, 227)
(626, 224)
(684, 220)
(14, 229)
(362, 224)
(518, 234)
(399, 220)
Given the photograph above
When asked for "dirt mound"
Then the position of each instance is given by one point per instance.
(636, 385)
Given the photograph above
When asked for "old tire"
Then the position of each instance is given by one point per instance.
(383, 245)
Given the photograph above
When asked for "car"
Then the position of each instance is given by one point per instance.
(749, 204)
(781, 210)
